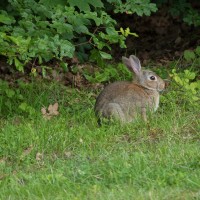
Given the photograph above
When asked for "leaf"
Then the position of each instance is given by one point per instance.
(43, 111)
(197, 50)
(66, 49)
(10, 93)
(189, 55)
(84, 5)
(64, 66)
(23, 106)
(67, 154)
(190, 75)
(39, 156)
(5, 18)
(105, 55)
(19, 66)
(51, 111)
(53, 3)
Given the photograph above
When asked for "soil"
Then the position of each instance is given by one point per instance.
(161, 36)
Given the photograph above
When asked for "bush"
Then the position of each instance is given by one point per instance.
(37, 32)
(184, 10)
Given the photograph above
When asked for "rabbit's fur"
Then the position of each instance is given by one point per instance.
(123, 100)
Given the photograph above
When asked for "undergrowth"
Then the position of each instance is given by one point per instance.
(70, 157)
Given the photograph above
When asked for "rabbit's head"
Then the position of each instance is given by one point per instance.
(145, 78)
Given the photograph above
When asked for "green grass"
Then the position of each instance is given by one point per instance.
(70, 157)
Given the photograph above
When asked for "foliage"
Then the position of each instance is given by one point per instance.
(192, 55)
(185, 84)
(141, 8)
(127, 32)
(186, 88)
(12, 99)
(109, 73)
(183, 9)
(36, 32)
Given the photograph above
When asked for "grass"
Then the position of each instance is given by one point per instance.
(70, 157)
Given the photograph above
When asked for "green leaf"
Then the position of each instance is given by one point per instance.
(5, 18)
(190, 75)
(10, 93)
(93, 16)
(197, 50)
(64, 65)
(23, 106)
(189, 55)
(111, 31)
(105, 55)
(84, 5)
(18, 65)
(66, 49)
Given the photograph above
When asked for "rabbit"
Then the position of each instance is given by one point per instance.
(124, 100)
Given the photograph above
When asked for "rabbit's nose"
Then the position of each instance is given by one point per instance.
(161, 86)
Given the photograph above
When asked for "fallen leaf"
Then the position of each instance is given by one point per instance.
(2, 176)
(67, 154)
(3, 160)
(51, 111)
(39, 156)
(43, 110)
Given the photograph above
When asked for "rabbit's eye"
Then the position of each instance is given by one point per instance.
(153, 78)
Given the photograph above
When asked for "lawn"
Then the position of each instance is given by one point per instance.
(70, 157)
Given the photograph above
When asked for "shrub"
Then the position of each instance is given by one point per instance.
(36, 32)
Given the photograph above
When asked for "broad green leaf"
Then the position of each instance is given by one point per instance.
(66, 49)
(19, 66)
(190, 75)
(189, 55)
(105, 55)
(111, 31)
(5, 18)
(10, 93)
(54, 3)
(93, 16)
(84, 5)
(23, 106)
(197, 50)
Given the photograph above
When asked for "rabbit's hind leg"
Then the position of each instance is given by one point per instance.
(115, 111)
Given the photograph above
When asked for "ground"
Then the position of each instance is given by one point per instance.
(60, 151)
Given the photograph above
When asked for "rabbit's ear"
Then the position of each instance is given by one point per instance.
(133, 64)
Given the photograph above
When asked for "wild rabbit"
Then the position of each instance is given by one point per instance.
(124, 100)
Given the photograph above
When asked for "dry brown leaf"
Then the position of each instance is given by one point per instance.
(43, 111)
(50, 108)
(39, 156)
(67, 154)
(3, 160)
(51, 111)
(2, 176)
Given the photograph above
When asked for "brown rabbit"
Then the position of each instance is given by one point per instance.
(123, 100)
